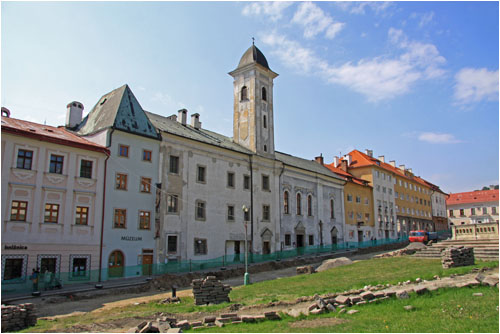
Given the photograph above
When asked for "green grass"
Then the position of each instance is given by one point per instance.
(445, 310)
(356, 275)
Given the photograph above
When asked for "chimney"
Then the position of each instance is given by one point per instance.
(74, 113)
(195, 121)
(410, 170)
(392, 163)
(402, 167)
(182, 116)
(336, 161)
(381, 158)
(320, 159)
(348, 158)
(369, 153)
(5, 112)
(343, 165)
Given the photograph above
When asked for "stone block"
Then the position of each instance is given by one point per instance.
(342, 300)
(367, 295)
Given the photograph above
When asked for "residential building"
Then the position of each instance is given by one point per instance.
(358, 200)
(439, 214)
(118, 122)
(473, 207)
(52, 195)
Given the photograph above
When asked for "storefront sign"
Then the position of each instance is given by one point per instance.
(15, 247)
(132, 238)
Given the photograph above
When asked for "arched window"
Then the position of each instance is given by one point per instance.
(286, 206)
(299, 208)
(265, 148)
(265, 121)
(244, 93)
(332, 215)
(264, 94)
(309, 206)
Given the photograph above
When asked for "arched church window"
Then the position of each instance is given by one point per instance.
(264, 94)
(286, 205)
(299, 208)
(244, 93)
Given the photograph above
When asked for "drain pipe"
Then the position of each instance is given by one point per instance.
(279, 203)
(251, 204)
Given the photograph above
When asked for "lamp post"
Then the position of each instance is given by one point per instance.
(246, 277)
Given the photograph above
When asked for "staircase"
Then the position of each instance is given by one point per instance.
(486, 250)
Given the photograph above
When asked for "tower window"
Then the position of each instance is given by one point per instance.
(264, 94)
(265, 148)
(265, 122)
(244, 93)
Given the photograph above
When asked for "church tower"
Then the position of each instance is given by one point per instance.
(253, 125)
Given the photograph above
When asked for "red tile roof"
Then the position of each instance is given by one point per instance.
(347, 176)
(473, 197)
(48, 133)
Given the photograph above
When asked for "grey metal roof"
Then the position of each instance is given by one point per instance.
(121, 110)
(171, 126)
(309, 165)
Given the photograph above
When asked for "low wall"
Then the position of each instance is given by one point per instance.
(475, 231)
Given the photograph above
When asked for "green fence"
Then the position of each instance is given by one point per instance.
(47, 282)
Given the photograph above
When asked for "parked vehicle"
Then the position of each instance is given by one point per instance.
(423, 236)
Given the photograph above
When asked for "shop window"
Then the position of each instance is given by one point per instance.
(13, 267)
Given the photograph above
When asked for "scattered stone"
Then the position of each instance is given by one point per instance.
(367, 295)
(355, 299)
(378, 294)
(209, 319)
(184, 324)
(342, 310)
(408, 307)
(342, 300)
(316, 311)
(174, 330)
(490, 280)
(361, 302)
(219, 323)
(196, 324)
(477, 294)
(312, 307)
(235, 307)
(436, 277)
(330, 307)
(260, 318)
(170, 300)
(305, 270)
(341, 306)
(402, 294)
(418, 280)
(247, 318)
(272, 315)
(420, 290)
(228, 315)
(352, 311)
(390, 293)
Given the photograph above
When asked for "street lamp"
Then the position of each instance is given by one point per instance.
(246, 278)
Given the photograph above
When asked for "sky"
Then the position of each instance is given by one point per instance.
(416, 82)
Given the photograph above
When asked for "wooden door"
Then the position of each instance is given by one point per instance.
(147, 264)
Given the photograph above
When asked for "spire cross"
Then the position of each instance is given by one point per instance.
(253, 41)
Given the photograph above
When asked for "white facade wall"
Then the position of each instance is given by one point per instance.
(34, 239)
(438, 201)
(386, 216)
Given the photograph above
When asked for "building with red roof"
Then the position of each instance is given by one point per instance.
(52, 195)
(473, 207)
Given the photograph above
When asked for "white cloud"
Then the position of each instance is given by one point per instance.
(316, 21)
(426, 19)
(167, 101)
(359, 7)
(272, 9)
(438, 138)
(378, 78)
(474, 85)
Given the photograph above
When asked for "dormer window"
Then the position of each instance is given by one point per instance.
(264, 94)
(244, 93)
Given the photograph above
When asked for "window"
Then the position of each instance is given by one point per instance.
(349, 197)
(332, 211)
(146, 155)
(266, 213)
(51, 213)
(264, 121)
(144, 220)
(230, 213)
(24, 159)
(13, 268)
(174, 164)
(377, 173)
(406, 184)
(309, 206)
(18, 211)
(358, 199)
(201, 174)
(265, 148)
(244, 93)
(358, 216)
(390, 191)
(383, 176)
(383, 190)
(299, 208)
(56, 164)
(145, 185)
(81, 215)
(288, 240)
(311, 240)
(264, 94)
(493, 210)
(86, 169)
(123, 151)
(246, 182)
(121, 181)
(79, 267)
(246, 216)
(120, 220)
(230, 180)
(286, 205)
(265, 182)
(366, 201)
(172, 203)
(367, 216)
(200, 210)
(200, 246)
(485, 210)
(351, 215)
(396, 194)
(172, 244)
(377, 187)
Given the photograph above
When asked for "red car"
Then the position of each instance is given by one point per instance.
(419, 236)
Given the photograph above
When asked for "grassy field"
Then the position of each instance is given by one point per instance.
(356, 275)
(444, 310)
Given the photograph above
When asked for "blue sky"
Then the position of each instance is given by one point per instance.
(416, 82)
